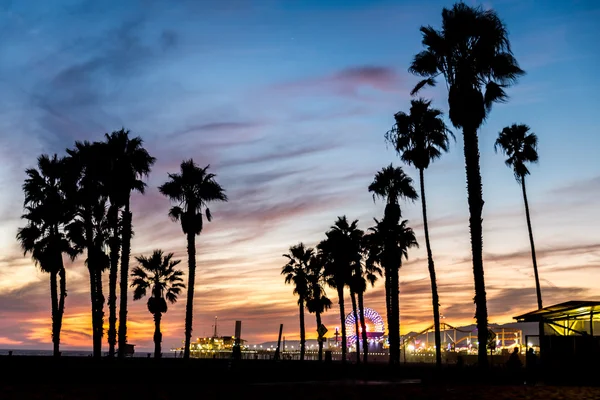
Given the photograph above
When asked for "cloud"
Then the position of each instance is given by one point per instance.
(347, 82)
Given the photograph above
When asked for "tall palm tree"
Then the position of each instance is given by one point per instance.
(340, 251)
(472, 52)
(89, 228)
(193, 188)
(392, 184)
(296, 273)
(47, 212)
(520, 146)
(317, 301)
(420, 137)
(127, 163)
(158, 274)
(387, 245)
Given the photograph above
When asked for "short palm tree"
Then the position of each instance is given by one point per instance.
(157, 273)
(369, 273)
(472, 52)
(519, 144)
(192, 189)
(296, 273)
(339, 251)
(421, 137)
(392, 184)
(47, 212)
(387, 244)
(317, 301)
(127, 163)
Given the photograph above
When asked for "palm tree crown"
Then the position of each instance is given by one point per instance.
(193, 189)
(47, 212)
(519, 144)
(420, 136)
(157, 273)
(473, 54)
(391, 184)
(296, 270)
(129, 161)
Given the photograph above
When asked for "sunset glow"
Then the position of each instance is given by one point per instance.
(289, 105)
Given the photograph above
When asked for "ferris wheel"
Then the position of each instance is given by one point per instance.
(373, 323)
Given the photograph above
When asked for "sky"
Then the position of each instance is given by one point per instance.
(289, 101)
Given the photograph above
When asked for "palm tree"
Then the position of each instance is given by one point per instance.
(473, 53)
(387, 245)
(89, 228)
(193, 188)
(128, 162)
(296, 272)
(340, 251)
(368, 274)
(391, 184)
(520, 146)
(47, 212)
(420, 138)
(317, 301)
(158, 274)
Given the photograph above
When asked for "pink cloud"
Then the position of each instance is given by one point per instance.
(347, 82)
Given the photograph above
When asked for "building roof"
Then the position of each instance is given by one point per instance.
(568, 310)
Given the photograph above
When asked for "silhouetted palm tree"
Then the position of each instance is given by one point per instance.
(339, 251)
(193, 188)
(420, 138)
(520, 145)
(387, 244)
(89, 229)
(472, 52)
(47, 212)
(369, 272)
(317, 301)
(127, 163)
(158, 274)
(391, 184)
(296, 272)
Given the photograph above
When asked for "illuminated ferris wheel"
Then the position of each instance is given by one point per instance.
(373, 323)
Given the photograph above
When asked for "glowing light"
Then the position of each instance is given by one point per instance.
(373, 322)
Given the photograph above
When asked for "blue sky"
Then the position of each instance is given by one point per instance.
(289, 101)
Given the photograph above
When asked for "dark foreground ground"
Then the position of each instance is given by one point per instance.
(82, 378)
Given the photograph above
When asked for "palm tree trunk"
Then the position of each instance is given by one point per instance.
(388, 305)
(93, 300)
(475, 200)
(538, 289)
(92, 267)
(356, 323)
(340, 290)
(319, 340)
(99, 310)
(157, 335)
(61, 301)
(124, 283)
(112, 281)
(302, 330)
(189, 306)
(54, 301)
(363, 325)
(434, 292)
(395, 302)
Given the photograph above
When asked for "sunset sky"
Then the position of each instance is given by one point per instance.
(289, 101)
